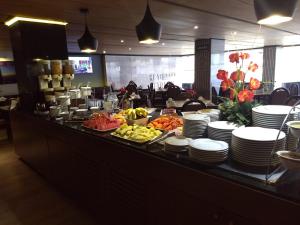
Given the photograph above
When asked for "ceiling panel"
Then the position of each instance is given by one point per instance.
(110, 21)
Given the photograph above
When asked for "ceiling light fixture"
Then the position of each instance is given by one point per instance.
(34, 20)
(148, 30)
(129, 49)
(272, 12)
(104, 51)
(163, 44)
(196, 27)
(87, 43)
(122, 41)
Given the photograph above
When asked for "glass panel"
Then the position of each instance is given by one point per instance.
(287, 65)
(146, 69)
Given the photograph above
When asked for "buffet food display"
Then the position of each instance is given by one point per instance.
(166, 122)
(102, 122)
(200, 135)
(136, 133)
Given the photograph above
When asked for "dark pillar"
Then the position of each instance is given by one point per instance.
(206, 64)
(31, 41)
(269, 62)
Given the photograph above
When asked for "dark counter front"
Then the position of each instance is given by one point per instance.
(125, 183)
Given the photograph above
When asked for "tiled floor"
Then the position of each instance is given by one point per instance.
(26, 198)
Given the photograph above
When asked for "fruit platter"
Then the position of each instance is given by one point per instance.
(166, 122)
(136, 133)
(137, 116)
(101, 122)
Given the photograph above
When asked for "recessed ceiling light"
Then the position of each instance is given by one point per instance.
(122, 41)
(196, 27)
(163, 43)
(104, 51)
(34, 20)
(129, 49)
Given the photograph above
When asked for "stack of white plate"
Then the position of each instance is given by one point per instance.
(252, 146)
(208, 150)
(221, 130)
(195, 125)
(272, 116)
(176, 144)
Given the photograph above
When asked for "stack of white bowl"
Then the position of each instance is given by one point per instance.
(252, 146)
(195, 125)
(214, 114)
(221, 130)
(176, 144)
(208, 151)
(272, 116)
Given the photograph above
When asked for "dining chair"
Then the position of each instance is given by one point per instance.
(132, 83)
(168, 84)
(294, 90)
(173, 92)
(131, 88)
(193, 105)
(292, 100)
(279, 96)
(214, 96)
(157, 100)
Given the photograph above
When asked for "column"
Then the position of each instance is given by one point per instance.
(209, 57)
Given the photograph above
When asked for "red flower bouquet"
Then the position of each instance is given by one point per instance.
(237, 108)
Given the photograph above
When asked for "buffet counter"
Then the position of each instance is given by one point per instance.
(125, 183)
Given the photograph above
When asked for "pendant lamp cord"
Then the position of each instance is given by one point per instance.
(85, 17)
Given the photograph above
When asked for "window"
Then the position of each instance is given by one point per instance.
(221, 61)
(256, 56)
(286, 68)
(144, 70)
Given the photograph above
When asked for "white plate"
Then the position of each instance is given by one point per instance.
(273, 109)
(206, 144)
(177, 141)
(196, 117)
(257, 134)
(223, 125)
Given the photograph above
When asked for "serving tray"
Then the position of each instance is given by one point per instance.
(136, 141)
(111, 129)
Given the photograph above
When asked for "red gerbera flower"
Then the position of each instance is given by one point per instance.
(226, 84)
(222, 75)
(244, 55)
(245, 96)
(252, 66)
(254, 83)
(237, 75)
(234, 57)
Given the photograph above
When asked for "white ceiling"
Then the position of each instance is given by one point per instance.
(113, 20)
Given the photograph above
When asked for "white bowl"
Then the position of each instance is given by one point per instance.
(54, 111)
(64, 115)
(82, 106)
(294, 128)
(290, 160)
(81, 112)
(73, 109)
(95, 109)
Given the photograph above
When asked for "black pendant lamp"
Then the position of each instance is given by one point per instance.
(148, 30)
(272, 12)
(87, 43)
